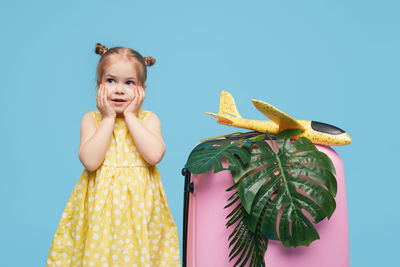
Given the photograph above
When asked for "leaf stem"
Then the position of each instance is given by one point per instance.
(214, 137)
(272, 142)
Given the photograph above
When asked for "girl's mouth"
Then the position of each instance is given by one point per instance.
(118, 101)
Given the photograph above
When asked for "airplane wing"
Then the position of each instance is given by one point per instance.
(282, 119)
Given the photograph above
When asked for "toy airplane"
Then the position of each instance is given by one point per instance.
(317, 132)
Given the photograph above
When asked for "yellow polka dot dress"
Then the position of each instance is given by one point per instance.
(118, 215)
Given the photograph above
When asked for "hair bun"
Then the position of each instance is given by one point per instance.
(100, 49)
(149, 61)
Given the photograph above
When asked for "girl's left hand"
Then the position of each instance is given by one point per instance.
(136, 103)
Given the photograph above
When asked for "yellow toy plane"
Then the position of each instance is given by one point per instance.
(317, 132)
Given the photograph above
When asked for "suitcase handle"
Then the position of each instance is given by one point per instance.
(188, 188)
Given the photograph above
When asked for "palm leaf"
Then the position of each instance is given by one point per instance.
(245, 243)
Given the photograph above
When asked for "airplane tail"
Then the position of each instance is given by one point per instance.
(227, 110)
(227, 105)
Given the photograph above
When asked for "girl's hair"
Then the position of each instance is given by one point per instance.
(129, 53)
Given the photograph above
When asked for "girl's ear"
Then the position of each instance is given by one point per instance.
(144, 86)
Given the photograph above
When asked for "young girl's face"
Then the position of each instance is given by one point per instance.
(120, 79)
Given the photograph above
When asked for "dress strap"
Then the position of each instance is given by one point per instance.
(96, 116)
(146, 115)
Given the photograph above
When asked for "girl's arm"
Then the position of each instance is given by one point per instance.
(147, 137)
(94, 142)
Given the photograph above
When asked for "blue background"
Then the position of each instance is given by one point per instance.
(330, 61)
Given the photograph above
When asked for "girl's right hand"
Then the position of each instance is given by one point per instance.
(102, 103)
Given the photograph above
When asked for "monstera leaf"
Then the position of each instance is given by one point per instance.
(277, 185)
(206, 153)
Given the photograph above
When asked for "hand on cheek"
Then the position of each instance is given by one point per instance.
(103, 104)
(134, 106)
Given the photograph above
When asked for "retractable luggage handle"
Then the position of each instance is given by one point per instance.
(187, 189)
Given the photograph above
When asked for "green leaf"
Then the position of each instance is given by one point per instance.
(203, 155)
(276, 188)
(243, 241)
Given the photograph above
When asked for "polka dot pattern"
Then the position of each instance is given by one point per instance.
(117, 215)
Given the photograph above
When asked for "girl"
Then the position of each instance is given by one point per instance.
(118, 215)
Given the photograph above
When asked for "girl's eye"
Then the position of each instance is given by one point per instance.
(130, 82)
(110, 80)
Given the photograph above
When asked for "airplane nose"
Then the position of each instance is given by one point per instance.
(341, 137)
(347, 138)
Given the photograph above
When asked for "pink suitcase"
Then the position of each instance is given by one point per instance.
(205, 236)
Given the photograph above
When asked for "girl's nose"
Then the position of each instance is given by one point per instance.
(120, 88)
